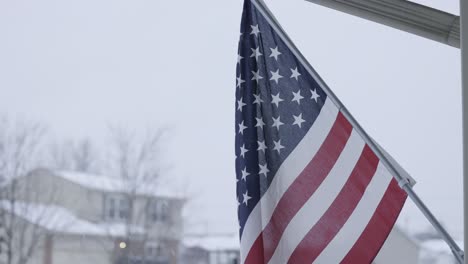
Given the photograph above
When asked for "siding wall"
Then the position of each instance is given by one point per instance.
(80, 250)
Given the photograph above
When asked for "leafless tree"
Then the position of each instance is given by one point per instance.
(20, 147)
(137, 161)
(79, 155)
(59, 156)
(85, 156)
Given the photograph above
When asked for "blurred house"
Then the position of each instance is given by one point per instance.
(70, 217)
(211, 249)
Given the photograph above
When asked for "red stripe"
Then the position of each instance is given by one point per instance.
(300, 191)
(371, 240)
(339, 211)
(256, 254)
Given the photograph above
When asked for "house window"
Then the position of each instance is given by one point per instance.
(117, 208)
(154, 250)
(159, 211)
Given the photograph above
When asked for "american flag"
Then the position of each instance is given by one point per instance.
(309, 187)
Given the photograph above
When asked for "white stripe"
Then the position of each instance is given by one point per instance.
(342, 243)
(286, 174)
(320, 201)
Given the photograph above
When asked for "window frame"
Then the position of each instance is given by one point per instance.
(116, 208)
(159, 211)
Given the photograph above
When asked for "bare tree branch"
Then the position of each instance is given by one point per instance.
(80, 155)
(137, 161)
(20, 147)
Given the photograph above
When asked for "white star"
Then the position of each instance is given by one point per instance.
(278, 146)
(297, 97)
(246, 197)
(275, 76)
(263, 170)
(242, 128)
(239, 58)
(295, 74)
(260, 123)
(277, 122)
(238, 203)
(243, 150)
(275, 53)
(275, 99)
(244, 174)
(315, 95)
(239, 81)
(258, 100)
(256, 76)
(255, 30)
(262, 146)
(256, 53)
(298, 120)
(240, 104)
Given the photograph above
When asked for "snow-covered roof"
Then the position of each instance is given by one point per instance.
(439, 246)
(437, 251)
(114, 184)
(213, 243)
(60, 220)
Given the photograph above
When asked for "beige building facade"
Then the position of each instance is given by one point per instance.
(83, 218)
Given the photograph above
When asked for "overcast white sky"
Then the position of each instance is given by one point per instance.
(78, 65)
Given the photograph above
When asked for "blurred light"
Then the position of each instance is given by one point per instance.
(123, 245)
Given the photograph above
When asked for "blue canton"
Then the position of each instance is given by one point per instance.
(277, 101)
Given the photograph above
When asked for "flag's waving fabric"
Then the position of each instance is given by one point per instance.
(309, 187)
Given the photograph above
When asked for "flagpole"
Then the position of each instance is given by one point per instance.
(402, 181)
